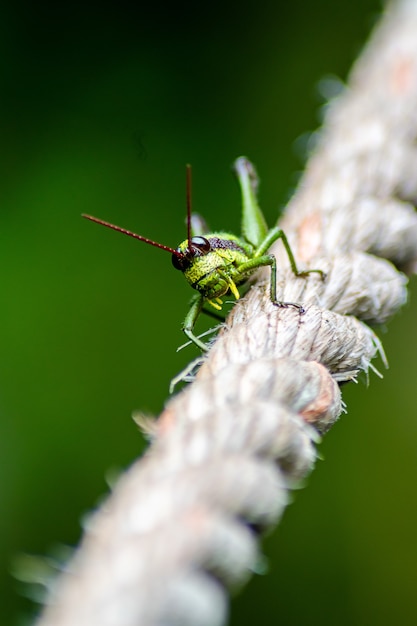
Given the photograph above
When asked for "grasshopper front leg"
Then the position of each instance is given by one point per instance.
(190, 319)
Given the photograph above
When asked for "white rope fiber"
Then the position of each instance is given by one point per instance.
(181, 527)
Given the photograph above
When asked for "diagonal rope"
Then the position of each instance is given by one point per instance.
(182, 525)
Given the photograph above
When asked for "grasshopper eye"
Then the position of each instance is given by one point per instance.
(201, 244)
(180, 263)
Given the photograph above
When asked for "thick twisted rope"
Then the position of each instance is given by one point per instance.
(182, 525)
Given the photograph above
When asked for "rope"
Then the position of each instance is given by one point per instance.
(182, 525)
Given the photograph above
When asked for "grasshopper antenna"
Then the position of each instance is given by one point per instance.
(188, 186)
(134, 235)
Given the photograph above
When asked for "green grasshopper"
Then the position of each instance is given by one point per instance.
(217, 263)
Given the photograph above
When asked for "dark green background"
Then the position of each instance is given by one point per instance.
(101, 107)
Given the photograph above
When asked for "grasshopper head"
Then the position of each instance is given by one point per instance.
(208, 263)
(188, 251)
(197, 260)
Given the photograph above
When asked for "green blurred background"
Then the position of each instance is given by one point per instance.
(101, 108)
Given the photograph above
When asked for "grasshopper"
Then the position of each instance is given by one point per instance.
(217, 263)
